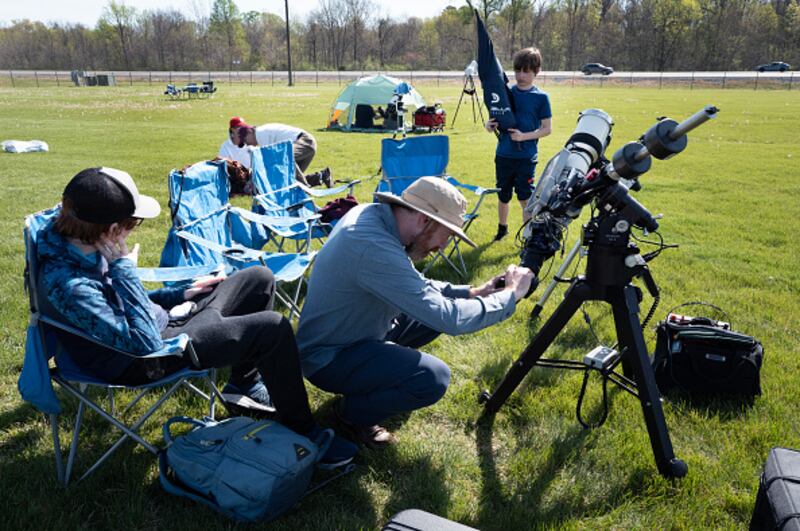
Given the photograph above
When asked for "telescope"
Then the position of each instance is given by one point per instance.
(579, 173)
(576, 176)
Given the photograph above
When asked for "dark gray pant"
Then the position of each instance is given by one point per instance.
(235, 326)
(304, 148)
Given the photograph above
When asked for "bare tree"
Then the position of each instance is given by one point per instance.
(121, 18)
(513, 13)
(226, 23)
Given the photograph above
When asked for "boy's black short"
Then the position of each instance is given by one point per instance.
(514, 175)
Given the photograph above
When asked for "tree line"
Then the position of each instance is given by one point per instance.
(639, 35)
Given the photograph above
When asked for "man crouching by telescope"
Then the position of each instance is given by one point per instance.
(368, 310)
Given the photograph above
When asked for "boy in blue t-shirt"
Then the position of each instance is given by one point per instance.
(517, 149)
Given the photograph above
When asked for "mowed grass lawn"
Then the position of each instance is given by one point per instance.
(730, 201)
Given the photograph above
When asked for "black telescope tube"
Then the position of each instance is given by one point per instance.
(693, 122)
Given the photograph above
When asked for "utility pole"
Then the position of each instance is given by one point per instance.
(288, 44)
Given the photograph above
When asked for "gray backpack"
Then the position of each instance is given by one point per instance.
(249, 470)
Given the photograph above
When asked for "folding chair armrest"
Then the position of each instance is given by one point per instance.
(478, 190)
(269, 204)
(330, 191)
(300, 204)
(274, 221)
(237, 252)
(175, 274)
(172, 347)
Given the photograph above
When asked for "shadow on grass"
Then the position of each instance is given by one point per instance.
(726, 408)
(414, 483)
(524, 506)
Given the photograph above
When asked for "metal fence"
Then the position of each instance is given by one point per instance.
(723, 80)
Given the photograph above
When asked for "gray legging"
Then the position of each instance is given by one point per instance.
(380, 379)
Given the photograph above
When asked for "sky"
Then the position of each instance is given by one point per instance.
(88, 11)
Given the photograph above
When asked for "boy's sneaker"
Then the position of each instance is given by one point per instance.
(502, 232)
(252, 399)
(339, 453)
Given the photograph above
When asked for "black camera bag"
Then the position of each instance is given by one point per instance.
(703, 357)
(778, 499)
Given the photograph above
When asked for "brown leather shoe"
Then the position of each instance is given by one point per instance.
(375, 437)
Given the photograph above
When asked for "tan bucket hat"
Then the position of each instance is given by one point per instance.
(437, 199)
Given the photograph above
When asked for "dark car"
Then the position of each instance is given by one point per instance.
(777, 66)
(596, 68)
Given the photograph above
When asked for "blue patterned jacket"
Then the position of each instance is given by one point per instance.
(107, 301)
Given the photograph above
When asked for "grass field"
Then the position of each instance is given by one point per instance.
(730, 201)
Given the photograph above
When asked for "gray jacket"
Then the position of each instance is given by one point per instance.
(363, 279)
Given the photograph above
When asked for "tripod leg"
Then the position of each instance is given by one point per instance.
(560, 273)
(472, 100)
(476, 99)
(625, 305)
(577, 294)
(455, 115)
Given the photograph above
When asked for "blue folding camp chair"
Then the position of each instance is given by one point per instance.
(207, 230)
(405, 160)
(42, 345)
(277, 193)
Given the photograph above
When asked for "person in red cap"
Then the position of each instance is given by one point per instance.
(240, 134)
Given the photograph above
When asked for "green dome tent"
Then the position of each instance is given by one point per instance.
(369, 90)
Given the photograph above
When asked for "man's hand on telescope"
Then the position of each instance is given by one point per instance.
(487, 288)
(518, 279)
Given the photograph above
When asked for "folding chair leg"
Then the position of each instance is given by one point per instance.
(461, 270)
(288, 301)
(295, 299)
(457, 250)
(74, 446)
(132, 403)
(130, 432)
(111, 405)
(213, 391)
(57, 448)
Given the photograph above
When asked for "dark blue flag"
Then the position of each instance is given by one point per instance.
(496, 94)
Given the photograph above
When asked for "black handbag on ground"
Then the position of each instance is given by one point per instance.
(778, 499)
(702, 356)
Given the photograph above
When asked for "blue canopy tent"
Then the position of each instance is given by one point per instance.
(369, 90)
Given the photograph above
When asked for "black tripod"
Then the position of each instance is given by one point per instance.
(469, 90)
(611, 265)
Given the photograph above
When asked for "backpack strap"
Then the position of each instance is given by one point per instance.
(183, 420)
(323, 442)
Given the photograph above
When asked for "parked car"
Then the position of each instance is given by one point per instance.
(776, 66)
(596, 68)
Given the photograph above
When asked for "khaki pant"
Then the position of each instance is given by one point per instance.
(304, 148)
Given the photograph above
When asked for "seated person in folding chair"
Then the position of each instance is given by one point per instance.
(89, 274)
(303, 143)
(368, 309)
